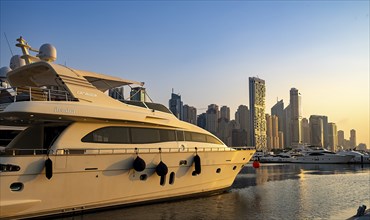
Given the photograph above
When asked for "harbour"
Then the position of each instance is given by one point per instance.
(267, 116)
(273, 191)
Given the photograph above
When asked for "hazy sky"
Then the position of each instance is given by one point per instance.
(207, 50)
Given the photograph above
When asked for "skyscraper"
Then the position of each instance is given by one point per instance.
(352, 138)
(281, 140)
(212, 116)
(257, 94)
(325, 130)
(223, 130)
(225, 112)
(305, 131)
(242, 118)
(201, 120)
(296, 116)
(332, 137)
(175, 105)
(341, 138)
(316, 130)
(275, 132)
(287, 131)
(278, 110)
(268, 132)
(190, 114)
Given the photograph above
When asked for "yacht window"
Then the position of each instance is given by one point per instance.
(212, 140)
(180, 135)
(188, 136)
(144, 135)
(125, 135)
(114, 135)
(198, 137)
(167, 135)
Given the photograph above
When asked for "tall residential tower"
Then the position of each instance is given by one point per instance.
(257, 94)
(296, 117)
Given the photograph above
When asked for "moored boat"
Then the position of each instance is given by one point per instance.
(320, 155)
(84, 150)
(358, 157)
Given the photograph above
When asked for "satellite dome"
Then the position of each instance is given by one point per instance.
(47, 53)
(3, 71)
(16, 61)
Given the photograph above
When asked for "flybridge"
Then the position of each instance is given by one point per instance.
(39, 79)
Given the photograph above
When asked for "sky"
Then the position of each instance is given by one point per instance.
(207, 50)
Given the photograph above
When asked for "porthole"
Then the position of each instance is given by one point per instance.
(218, 170)
(143, 177)
(172, 178)
(234, 168)
(15, 187)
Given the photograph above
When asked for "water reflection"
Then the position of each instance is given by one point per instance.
(274, 191)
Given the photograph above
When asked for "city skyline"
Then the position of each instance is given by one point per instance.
(207, 51)
(317, 131)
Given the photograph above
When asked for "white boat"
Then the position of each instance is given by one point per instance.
(278, 158)
(358, 157)
(84, 150)
(320, 155)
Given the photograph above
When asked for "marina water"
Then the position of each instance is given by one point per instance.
(273, 191)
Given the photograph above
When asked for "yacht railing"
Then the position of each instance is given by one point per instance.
(108, 151)
(17, 94)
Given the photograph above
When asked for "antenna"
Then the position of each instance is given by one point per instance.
(6, 38)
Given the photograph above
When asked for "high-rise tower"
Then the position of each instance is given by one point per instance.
(257, 94)
(212, 116)
(352, 138)
(175, 105)
(296, 117)
(190, 114)
(332, 137)
(317, 130)
(278, 110)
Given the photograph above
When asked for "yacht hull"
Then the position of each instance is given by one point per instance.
(332, 159)
(91, 181)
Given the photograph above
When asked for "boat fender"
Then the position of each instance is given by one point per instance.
(48, 168)
(162, 171)
(139, 164)
(256, 164)
(197, 164)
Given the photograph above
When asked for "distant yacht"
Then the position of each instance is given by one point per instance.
(320, 155)
(84, 150)
(358, 157)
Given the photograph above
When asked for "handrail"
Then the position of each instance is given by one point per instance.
(17, 94)
(105, 151)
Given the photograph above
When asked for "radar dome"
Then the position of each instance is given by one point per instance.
(16, 61)
(47, 53)
(3, 71)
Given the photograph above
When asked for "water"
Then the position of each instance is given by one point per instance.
(274, 191)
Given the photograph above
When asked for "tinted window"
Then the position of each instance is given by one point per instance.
(112, 135)
(144, 135)
(124, 135)
(167, 135)
(197, 137)
(180, 135)
(212, 140)
(188, 136)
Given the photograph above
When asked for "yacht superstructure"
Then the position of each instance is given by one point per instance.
(83, 150)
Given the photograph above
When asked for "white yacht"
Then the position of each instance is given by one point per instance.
(319, 155)
(358, 157)
(278, 158)
(83, 150)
